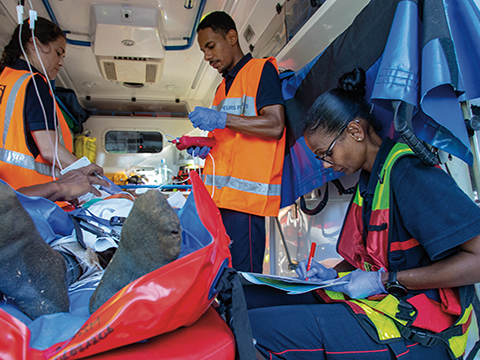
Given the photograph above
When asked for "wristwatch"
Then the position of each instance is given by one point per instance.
(394, 287)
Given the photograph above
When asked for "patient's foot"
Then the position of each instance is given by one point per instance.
(151, 237)
(32, 274)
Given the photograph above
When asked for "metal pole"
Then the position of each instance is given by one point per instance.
(474, 170)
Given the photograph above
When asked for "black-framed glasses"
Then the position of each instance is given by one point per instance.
(328, 153)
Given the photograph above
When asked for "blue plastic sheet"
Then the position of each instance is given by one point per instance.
(427, 57)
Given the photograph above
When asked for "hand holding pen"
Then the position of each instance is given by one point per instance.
(311, 270)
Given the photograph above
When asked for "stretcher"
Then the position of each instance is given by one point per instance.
(167, 311)
(208, 338)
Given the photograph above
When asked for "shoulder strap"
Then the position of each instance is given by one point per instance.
(234, 308)
(476, 309)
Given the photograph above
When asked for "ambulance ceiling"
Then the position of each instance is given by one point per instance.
(185, 75)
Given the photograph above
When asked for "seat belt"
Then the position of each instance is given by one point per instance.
(233, 308)
(476, 309)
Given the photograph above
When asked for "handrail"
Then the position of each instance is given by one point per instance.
(188, 45)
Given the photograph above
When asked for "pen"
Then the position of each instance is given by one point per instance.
(312, 255)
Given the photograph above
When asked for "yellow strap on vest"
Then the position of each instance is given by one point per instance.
(384, 325)
(458, 344)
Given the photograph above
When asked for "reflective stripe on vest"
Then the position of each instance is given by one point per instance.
(237, 106)
(26, 162)
(390, 317)
(11, 104)
(243, 185)
(381, 313)
(458, 344)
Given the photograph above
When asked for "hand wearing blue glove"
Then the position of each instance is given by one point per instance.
(361, 284)
(317, 272)
(198, 151)
(208, 119)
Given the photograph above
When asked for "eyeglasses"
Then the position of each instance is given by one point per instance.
(328, 153)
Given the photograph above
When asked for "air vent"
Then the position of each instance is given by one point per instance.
(151, 73)
(110, 72)
(130, 58)
(131, 69)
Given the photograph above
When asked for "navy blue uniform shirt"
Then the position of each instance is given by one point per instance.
(428, 205)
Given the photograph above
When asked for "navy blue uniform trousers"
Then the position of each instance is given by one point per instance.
(247, 233)
(300, 327)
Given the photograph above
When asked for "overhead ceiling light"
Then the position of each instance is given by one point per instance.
(171, 87)
(91, 84)
(189, 4)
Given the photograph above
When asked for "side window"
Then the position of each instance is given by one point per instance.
(133, 142)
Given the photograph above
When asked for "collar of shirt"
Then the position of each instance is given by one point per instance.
(21, 64)
(367, 183)
(230, 76)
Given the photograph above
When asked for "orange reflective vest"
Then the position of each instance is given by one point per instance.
(386, 317)
(18, 167)
(247, 170)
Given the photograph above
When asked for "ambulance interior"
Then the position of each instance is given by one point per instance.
(136, 67)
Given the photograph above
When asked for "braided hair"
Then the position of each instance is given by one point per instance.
(339, 106)
(45, 31)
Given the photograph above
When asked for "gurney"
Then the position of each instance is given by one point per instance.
(165, 314)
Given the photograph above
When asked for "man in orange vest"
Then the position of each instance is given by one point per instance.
(243, 172)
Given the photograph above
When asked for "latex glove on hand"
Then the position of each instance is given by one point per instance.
(317, 272)
(208, 119)
(198, 151)
(361, 284)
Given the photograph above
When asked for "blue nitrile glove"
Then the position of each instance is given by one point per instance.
(198, 151)
(361, 284)
(317, 272)
(208, 119)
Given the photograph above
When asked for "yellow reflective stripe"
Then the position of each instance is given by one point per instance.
(386, 328)
(465, 316)
(358, 198)
(380, 201)
(458, 344)
(387, 306)
(334, 295)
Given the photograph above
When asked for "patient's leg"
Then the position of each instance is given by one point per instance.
(151, 237)
(31, 272)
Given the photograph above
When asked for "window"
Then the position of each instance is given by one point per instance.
(133, 142)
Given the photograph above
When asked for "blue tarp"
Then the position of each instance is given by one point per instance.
(426, 54)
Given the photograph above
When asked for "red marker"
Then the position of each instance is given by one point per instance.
(312, 255)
